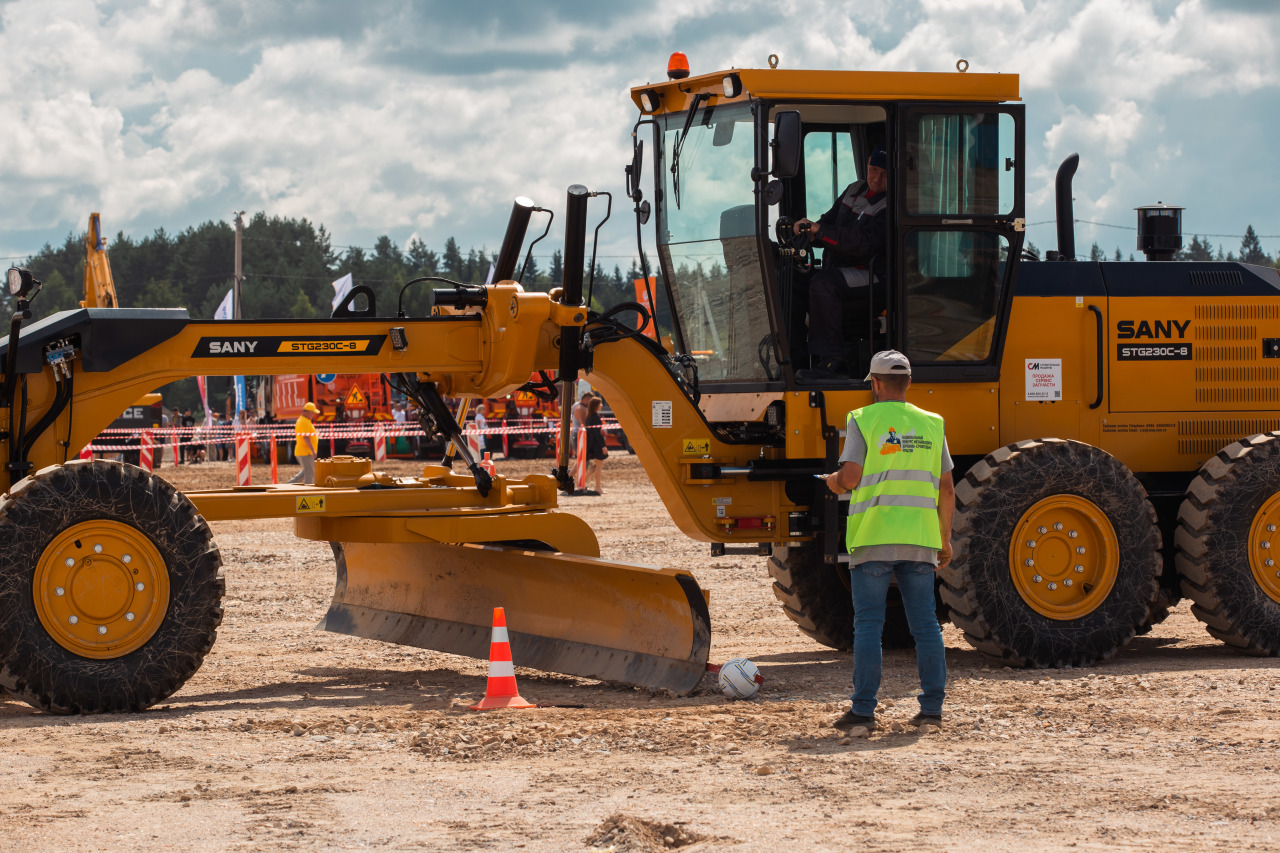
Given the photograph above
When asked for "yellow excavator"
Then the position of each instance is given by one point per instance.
(1112, 424)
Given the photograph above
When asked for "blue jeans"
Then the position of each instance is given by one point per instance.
(870, 582)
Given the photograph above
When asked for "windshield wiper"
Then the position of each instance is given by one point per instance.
(684, 134)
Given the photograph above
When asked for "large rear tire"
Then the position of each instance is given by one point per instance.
(1229, 545)
(1057, 553)
(815, 595)
(110, 587)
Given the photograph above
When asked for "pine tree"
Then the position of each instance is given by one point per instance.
(1251, 249)
(452, 260)
(1119, 257)
(1095, 253)
(556, 271)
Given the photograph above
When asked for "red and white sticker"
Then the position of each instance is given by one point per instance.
(1044, 379)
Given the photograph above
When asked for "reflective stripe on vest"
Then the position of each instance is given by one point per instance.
(896, 500)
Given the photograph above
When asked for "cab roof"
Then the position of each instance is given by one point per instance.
(794, 85)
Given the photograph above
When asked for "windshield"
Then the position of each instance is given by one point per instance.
(708, 242)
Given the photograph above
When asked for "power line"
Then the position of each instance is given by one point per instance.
(1134, 228)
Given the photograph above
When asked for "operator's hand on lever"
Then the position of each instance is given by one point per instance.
(805, 226)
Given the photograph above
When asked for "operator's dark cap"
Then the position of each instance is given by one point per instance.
(889, 362)
(879, 158)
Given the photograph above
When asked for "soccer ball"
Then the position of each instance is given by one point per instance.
(738, 679)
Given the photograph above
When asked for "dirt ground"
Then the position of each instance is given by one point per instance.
(291, 738)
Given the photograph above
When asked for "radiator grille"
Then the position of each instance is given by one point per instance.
(1226, 333)
(1237, 395)
(1224, 353)
(1204, 437)
(1216, 278)
(1237, 312)
(1238, 374)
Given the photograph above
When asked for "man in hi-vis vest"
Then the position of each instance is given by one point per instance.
(896, 465)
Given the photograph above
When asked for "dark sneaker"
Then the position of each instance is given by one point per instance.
(851, 720)
(922, 719)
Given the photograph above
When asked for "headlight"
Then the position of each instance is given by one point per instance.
(15, 281)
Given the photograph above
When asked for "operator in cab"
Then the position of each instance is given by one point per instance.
(897, 469)
(853, 234)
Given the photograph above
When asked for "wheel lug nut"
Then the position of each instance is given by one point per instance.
(1036, 579)
(1052, 585)
(73, 619)
(1031, 543)
(102, 629)
(1266, 544)
(1030, 562)
(1079, 570)
(1079, 549)
(140, 586)
(70, 561)
(1042, 531)
(97, 549)
(59, 592)
(1057, 526)
(1073, 534)
(1268, 562)
(1271, 528)
(128, 617)
(1068, 582)
(126, 559)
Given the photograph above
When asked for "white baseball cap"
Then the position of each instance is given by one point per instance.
(889, 362)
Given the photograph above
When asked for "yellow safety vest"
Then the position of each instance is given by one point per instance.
(896, 501)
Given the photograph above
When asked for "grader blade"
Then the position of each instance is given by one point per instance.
(574, 615)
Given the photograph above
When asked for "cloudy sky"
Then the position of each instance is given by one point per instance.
(426, 118)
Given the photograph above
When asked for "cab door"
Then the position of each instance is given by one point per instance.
(959, 186)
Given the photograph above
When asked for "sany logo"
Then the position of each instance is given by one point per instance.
(229, 347)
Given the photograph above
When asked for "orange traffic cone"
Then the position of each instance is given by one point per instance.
(501, 691)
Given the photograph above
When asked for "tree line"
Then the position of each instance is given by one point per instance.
(1251, 251)
(288, 266)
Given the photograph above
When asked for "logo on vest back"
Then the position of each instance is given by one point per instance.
(893, 442)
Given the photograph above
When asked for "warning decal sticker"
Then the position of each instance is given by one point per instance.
(310, 503)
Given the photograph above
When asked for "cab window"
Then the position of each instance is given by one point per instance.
(960, 164)
(953, 281)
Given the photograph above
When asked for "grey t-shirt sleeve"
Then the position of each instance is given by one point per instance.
(947, 464)
(855, 448)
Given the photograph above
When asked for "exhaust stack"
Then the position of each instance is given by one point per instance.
(1065, 210)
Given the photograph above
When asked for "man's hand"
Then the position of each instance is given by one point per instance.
(833, 483)
(945, 555)
(809, 227)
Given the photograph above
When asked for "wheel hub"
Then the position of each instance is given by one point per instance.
(101, 589)
(1064, 557)
(1264, 547)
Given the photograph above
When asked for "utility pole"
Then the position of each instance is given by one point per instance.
(235, 291)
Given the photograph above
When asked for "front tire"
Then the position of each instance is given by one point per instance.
(1056, 558)
(1228, 543)
(110, 585)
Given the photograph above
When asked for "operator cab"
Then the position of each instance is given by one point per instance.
(738, 156)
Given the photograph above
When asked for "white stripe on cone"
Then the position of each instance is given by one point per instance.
(502, 669)
(500, 634)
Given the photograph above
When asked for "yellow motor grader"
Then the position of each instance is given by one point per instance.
(1111, 423)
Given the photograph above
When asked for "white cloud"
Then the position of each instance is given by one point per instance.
(405, 118)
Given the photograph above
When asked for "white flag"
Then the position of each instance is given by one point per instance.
(224, 310)
(341, 288)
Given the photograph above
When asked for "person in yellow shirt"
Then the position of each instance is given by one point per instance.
(304, 447)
